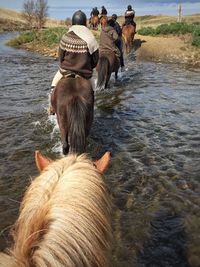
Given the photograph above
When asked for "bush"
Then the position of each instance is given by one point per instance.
(172, 28)
(45, 36)
(146, 31)
(196, 37)
(25, 37)
(176, 29)
(51, 36)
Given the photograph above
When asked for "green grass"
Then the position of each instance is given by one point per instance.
(175, 29)
(196, 37)
(44, 36)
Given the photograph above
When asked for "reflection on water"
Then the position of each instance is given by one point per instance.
(150, 122)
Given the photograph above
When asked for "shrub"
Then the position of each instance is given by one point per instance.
(25, 37)
(147, 31)
(172, 28)
(176, 29)
(45, 36)
(196, 37)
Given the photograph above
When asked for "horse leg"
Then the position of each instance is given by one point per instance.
(107, 79)
(64, 137)
(65, 148)
(116, 75)
(126, 47)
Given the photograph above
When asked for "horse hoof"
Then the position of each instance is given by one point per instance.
(51, 111)
(122, 69)
(65, 150)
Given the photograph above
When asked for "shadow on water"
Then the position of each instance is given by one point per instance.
(167, 243)
(137, 43)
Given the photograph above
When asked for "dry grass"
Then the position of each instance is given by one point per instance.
(10, 15)
(154, 21)
(12, 20)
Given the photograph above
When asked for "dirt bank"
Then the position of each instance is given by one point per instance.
(170, 49)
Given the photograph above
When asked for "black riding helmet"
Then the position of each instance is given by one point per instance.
(129, 7)
(114, 16)
(79, 18)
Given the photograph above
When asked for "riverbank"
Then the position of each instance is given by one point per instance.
(166, 49)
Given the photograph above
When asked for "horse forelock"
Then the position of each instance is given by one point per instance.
(64, 219)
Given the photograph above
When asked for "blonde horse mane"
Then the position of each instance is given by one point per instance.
(64, 219)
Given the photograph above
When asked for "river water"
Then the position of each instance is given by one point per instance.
(149, 120)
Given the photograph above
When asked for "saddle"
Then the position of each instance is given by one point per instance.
(130, 23)
(71, 75)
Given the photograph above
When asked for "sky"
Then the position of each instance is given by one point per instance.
(62, 9)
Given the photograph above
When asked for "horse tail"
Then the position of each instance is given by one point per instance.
(77, 119)
(103, 72)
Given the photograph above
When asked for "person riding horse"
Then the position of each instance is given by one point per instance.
(109, 38)
(78, 52)
(94, 13)
(119, 42)
(129, 16)
(103, 12)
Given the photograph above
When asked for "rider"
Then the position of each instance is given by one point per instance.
(94, 12)
(129, 16)
(78, 51)
(119, 42)
(108, 39)
(103, 12)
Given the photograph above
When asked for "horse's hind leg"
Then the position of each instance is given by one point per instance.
(64, 139)
(116, 75)
(107, 80)
(65, 148)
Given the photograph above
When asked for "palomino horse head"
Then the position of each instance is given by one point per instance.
(64, 216)
(108, 63)
(94, 22)
(128, 33)
(73, 102)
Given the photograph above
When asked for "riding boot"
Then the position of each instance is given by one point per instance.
(51, 110)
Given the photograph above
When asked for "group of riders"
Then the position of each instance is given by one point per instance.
(79, 51)
(129, 14)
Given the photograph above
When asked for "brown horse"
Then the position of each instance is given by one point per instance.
(64, 216)
(108, 63)
(103, 21)
(73, 102)
(128, 33)
(94, 22)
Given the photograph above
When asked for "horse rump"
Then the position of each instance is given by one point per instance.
(74, 104)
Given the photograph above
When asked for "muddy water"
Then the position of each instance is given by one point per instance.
(150, 122)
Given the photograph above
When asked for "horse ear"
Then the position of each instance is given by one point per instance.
(41, 161)
(103, 162)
